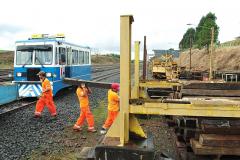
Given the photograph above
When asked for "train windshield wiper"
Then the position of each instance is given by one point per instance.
(39, 61)
(26, 62)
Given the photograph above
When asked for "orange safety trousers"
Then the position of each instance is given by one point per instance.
(45, 101)
(110, 119)
(85, 114)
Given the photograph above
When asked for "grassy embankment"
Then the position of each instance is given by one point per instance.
(105, 59)
(6, 59)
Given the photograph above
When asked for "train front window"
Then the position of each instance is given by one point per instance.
(24, 57)
(44, 55)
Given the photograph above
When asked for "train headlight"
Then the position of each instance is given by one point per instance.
(54, 75)
(10, 75)
(19, 74)
(49, 74)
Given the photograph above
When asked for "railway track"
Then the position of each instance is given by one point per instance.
(6, 75)
(16, 105)
(100, 68)
(107, 72)
(106, 75)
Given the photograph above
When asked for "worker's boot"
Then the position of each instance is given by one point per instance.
(77, 128)
(37, 115)
(92, 129)
(103, 131)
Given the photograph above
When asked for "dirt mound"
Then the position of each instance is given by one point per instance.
(224, 59)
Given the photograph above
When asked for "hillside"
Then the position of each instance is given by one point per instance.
(6, 59)
(224, 59)
(105, 59)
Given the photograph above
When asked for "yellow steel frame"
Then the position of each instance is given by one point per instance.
(200, 109)
(126, 121)
(159, 84)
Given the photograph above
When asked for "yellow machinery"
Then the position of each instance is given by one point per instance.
(164, 67)
(118, 140)
(126, 139)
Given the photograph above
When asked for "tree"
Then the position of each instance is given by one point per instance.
(188, 39)
(203, 31)
(201, 37)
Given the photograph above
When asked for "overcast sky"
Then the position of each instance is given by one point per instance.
(95, 23)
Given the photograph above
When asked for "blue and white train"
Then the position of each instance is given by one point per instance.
(53, 55)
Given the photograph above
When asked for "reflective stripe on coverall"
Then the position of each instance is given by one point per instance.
(46, 99)
(82, 94)
(113, 108)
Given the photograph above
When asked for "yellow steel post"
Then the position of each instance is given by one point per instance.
(135, 93)
(125, 58)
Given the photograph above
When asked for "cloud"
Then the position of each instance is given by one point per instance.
(97, 23)
(7, 29)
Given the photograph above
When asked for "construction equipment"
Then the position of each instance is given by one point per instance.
(164, 67)
(126, 138)
(119, 140)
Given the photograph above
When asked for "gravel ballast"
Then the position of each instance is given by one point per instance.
(24, 137)
(21, 134)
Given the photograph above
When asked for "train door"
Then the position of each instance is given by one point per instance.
(68, 68)
(62, 62)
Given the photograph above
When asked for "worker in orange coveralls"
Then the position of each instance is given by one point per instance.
(82, 92)
(113, 107)
(46, 98)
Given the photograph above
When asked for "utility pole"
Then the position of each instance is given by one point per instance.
(211, 52)
(180, 54)
(190, 54)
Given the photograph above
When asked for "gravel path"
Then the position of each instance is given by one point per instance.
(22, 135)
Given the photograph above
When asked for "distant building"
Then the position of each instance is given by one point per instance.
(160, 52)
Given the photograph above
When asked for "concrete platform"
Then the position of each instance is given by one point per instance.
(8, 93)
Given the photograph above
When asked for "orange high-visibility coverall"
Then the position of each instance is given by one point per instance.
(82, 94)
(46, 99)
(113, 108)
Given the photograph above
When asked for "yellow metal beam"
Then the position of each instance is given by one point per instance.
(125, 82)
(135, 91)
(159, 84)
(212, 109)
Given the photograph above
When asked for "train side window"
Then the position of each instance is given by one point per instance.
(74, 56)
(69, 56)
(62, 58)
(81, 57)
(56, 56)
(86, 58)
